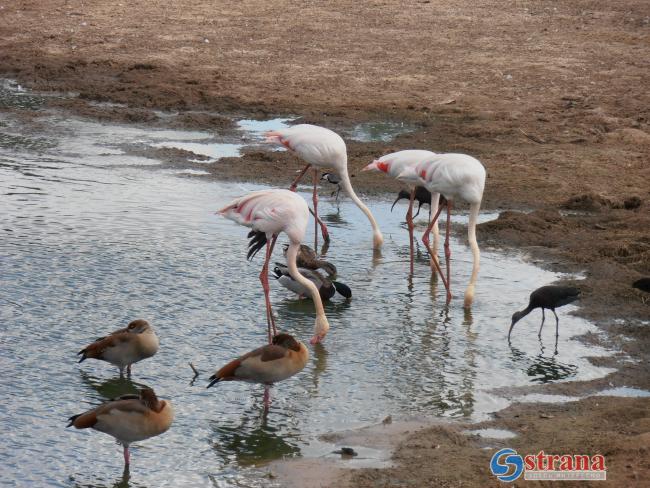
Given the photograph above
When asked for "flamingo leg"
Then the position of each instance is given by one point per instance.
(323, 228)
(425, 241)
(539, 334)
(294, 185)
(314, 198)
(448, 251)
(264, 278)
(127, 455)
(409, 224)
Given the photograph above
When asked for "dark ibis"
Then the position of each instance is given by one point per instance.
(547, 297)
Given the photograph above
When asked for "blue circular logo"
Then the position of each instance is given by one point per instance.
(507, 465)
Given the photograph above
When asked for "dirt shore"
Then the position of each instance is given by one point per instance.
(552, 97)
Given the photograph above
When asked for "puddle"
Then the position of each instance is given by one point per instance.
(544, 398)
(94, 240)
(492, 433)
(212, 151)
(625, 391)
(379, 131)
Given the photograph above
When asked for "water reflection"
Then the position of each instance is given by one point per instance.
(543, 368)
(251, 441)
(111, 388)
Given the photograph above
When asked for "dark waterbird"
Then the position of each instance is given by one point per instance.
(547, 297)
(308, 258)
(422, 196)
(642, 284)
(334, 180)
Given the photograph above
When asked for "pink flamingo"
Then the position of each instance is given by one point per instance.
(453, 176)
(393, 165)
(269, 212)
(322, 148)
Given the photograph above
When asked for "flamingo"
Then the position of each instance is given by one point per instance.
(124, 347)
(453, 176)
(129, 418)
(394, 165)
(277, 361)
(269, 212)
(322, 148)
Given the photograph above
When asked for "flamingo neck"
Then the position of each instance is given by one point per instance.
(378, 239)
(321, 326)
(476, 254)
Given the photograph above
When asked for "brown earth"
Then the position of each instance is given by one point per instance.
(551, 96)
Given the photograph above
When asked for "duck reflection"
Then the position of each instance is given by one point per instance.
(111, 388)
(251, 442)
(121, 482)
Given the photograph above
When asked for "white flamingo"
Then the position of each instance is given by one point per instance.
(322, 148)
(394, 164)
(454, 176)
(269, 212)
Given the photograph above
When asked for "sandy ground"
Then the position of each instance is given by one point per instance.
(551, 96)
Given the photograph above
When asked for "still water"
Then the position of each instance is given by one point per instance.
(93, 238)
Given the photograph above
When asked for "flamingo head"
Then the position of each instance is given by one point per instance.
(320, 329)
(377, 165)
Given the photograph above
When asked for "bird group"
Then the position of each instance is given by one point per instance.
(445, 178)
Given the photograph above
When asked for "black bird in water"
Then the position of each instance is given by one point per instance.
(422, 196)
(334, 180)
(547, 297)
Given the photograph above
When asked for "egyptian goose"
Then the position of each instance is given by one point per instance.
(268, 364)
(326, 287)
(129, 418)
(549, 297)
(124, 347)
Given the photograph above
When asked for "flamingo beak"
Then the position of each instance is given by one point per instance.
(371, 167)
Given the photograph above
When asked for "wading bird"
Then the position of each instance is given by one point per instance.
(307, 258)
(129, 418)
(266, 365)
(269, 212)
(334, 180)
(322, 148)
(455, 176)
(642, 284)
(124, 347)
(326, 287)
(547, 297)
(395, 165)
(422, 196)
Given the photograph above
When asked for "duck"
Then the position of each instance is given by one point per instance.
(327, 288)
(266, 365)
(308, 259)
(124, 347)
(128, 418)
(546, 297)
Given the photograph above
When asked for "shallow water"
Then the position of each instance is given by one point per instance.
(93, 238)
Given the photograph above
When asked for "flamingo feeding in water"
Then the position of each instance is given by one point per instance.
(394, 165)
(454, 176)
(322, 148)
(269, 212)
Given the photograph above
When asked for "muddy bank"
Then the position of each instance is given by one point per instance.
(551, 97)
